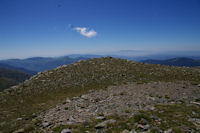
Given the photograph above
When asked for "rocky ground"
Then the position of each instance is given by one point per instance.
(124, 101)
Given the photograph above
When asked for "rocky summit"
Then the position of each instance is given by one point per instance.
(104, 95)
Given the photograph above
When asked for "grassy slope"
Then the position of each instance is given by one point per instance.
(50, 88)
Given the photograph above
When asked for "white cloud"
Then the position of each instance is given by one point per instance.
(86, 32)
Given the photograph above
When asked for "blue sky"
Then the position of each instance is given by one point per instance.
(60, 27)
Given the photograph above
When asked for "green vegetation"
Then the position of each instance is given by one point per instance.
(197, 100)
(6, 83)
(51, 87)
(176, 116)
(167, 97)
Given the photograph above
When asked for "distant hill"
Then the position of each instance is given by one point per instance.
(39, 64)
(187, 62)
(10, 77)
(137, 55)
(3, 65)
(88, 56)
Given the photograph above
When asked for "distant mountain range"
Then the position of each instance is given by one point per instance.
(11, 75)
(14, 71)
(87, 56)
(37, 64)
(187, 62)
(3, 65)
(138, 55)
(162, 58)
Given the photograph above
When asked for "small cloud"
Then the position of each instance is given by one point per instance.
(86, 32)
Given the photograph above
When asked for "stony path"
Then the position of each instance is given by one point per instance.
(122, 100)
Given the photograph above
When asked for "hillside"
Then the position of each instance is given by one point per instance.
(187, 62)
(10, 77)
(39, 64)
(6, 83)
(21, 106)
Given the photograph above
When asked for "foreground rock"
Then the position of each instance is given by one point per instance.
(124, 100)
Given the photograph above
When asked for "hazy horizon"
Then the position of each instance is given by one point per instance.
(121, 53)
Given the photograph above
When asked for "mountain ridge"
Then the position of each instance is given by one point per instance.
(181, 61)
(3, 65)
(39, 64)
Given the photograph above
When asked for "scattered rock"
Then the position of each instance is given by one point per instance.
(85, 97)
(156, 118)
(156, 130)
(143, 121)
(19, 131)
(19, 119)
(195, 120)
(137, 104)
(125, 131)
(132, 131)
(86, 124)
(140, 126)
(152, 108)
(168, 131)
(143, 127)
(66, 131)
(101, 131)
(100, 118)
(104, 124)
(46, 124)
(146, 127)
(68, 100)
(197, 103)
(194, 113)
(108, 102)
(71, 123)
